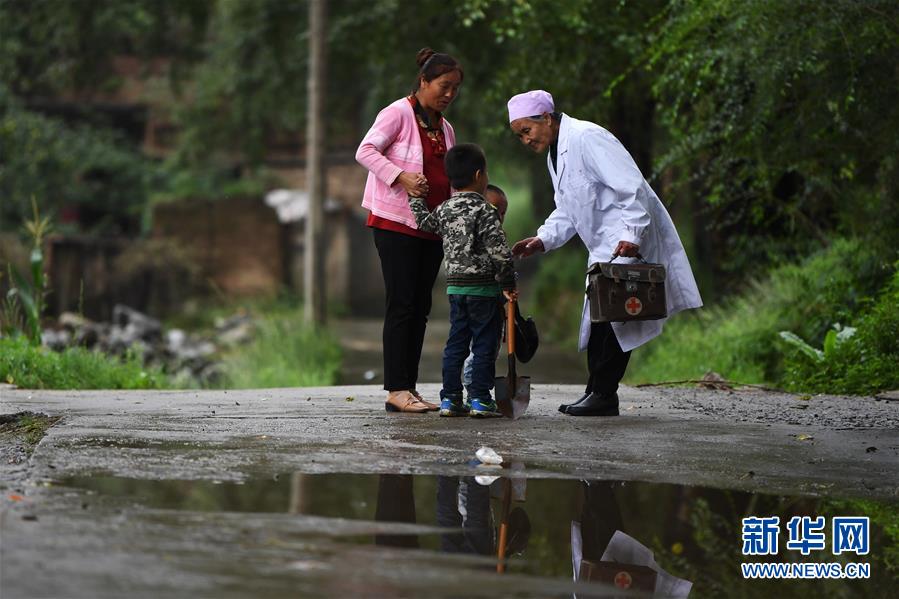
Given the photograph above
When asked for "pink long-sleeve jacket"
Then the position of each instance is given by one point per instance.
(391, 146)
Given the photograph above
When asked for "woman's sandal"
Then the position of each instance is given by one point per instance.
(404, 401)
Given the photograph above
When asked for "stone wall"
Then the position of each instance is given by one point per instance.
(238, 243)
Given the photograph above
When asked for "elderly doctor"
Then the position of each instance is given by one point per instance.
(602, 197)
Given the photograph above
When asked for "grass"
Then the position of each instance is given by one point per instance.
(284, 352)
(76, 368)
(34, 427)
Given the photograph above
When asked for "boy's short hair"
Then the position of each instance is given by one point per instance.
(496, 189)
(501, 202)
(462, 161)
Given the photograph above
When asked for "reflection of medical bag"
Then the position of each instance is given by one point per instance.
(622, 576)
(621, 292)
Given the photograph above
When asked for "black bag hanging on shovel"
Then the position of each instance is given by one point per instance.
(513, 393)
(526, 338)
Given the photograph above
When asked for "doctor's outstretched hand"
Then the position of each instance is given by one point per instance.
(527, 247)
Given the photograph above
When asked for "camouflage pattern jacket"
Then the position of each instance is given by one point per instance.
(474, 244)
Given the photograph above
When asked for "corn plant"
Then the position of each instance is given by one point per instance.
(28, 293)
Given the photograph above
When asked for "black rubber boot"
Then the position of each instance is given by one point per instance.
(564, 407)
(595, 405)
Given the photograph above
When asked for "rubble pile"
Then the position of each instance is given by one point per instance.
(182, 355)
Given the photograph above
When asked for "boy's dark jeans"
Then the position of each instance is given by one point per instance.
(475, 322)
(464, 505)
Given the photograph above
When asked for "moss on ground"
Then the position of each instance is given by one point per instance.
(24, 429)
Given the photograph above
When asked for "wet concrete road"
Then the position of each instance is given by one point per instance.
(60, 541)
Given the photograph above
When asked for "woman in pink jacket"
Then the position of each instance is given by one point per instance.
(403, 152)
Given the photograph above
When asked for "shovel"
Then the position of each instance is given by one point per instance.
(513, 393)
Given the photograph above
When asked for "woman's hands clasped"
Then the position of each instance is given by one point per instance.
(415, 184)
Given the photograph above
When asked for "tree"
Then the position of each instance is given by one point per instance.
(53, 46)
(781, 117)
(60, 49)
(578, 50)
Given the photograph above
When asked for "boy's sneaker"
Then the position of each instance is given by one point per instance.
(449, 407)
(484, 409)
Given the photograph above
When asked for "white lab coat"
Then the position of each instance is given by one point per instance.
(602, 197)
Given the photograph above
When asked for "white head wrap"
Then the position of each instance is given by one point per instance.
(532, 103)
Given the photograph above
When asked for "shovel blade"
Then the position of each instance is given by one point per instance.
(501, 392)
(513, 406)
(522, 397)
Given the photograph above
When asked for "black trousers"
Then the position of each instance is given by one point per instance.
(600, 517)
(396, 503)
(605, 360)
(409, 265)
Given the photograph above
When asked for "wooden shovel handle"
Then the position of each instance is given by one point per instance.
(510, 325)
(501, 550)
(504, 527)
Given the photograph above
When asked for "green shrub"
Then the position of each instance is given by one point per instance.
(559, 293)
(520, 221)
(67, 166)
(32, 367)
(739, 338)
(176, 183)
(866, 362)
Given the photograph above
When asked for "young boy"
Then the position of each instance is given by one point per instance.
(478, 271)
(496, 197)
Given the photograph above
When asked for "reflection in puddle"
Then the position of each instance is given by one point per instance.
(545, 527)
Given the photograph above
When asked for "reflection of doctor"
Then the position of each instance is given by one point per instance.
(602, 197)
(600, 518)
(601, 552)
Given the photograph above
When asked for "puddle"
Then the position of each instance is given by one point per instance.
(694, 534)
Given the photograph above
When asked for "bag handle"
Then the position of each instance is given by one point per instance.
(638, 257)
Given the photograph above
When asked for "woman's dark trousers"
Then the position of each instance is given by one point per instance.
(409, 265)
(396, 503)
(605, 360)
